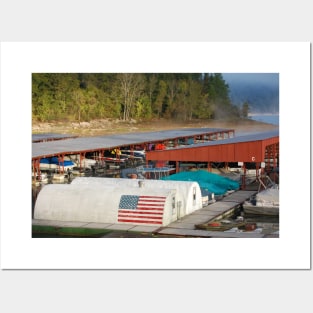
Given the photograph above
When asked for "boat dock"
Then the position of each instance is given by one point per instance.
(215, 211)
(184, 227)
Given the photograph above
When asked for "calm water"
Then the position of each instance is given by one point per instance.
(266, 118)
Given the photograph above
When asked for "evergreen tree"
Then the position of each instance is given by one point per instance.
(245, 109)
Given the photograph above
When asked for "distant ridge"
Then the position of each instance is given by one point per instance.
(260, 90)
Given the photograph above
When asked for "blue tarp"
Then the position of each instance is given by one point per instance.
(214, 183)
(55, 160)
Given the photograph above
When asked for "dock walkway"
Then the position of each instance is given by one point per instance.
(217, 210)
(182, 227)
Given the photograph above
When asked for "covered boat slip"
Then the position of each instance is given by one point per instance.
(100, 146)
(246, 148)
(85, 144)
(261, 149)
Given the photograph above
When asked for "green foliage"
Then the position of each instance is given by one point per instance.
(245, 109)
(85, 96)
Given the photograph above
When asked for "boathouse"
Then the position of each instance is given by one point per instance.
(246, 148)
(50, 145)
(260, 149)
(188, 193)
(118, 204)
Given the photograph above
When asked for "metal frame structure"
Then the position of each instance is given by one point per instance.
(255, 148)
(100, 144)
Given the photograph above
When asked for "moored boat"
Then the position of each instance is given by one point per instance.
(81, 162)
(266, 202)
(55, 163)
(223, 225)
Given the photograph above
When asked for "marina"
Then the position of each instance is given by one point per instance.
(136, 161)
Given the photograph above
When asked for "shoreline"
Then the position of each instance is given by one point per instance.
(262, 114)
(108, 126)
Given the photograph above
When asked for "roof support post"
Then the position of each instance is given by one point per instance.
(257, 166)
(36, 168)
(100, 155)
(274, 156)
(61, 159)
(209, 167)
(243, 177)
(177, 166)
(81, 157)
(268, 156)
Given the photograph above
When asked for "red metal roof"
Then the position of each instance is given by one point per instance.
(250, 148)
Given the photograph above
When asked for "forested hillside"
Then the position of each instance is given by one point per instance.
(260, 90)
(83, 97)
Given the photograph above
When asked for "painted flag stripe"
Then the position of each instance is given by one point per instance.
(150, 205)
(145, 207)
(141, 216)
(139, 212)
(152, 197)
(139, 221)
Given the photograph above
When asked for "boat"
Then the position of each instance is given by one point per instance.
(135, 153)
(41, 177)
(55, 163)
(152, 172)
(81, 162)
(222, 225)
(58, 177)
(133, 159)
(147, 172)
(265, 202)
(207, 197)
(114, 159)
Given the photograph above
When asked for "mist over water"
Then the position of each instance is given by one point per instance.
(266, 118)
(260, 90)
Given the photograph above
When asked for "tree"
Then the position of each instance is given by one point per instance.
(218, 95)
(171, 95)
(195, 99)
(245, 109)
(131, 85)
(85, 96)
(161, 93)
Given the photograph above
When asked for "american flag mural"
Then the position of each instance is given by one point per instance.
(141, 209)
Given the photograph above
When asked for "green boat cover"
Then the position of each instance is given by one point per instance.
(214, 183)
